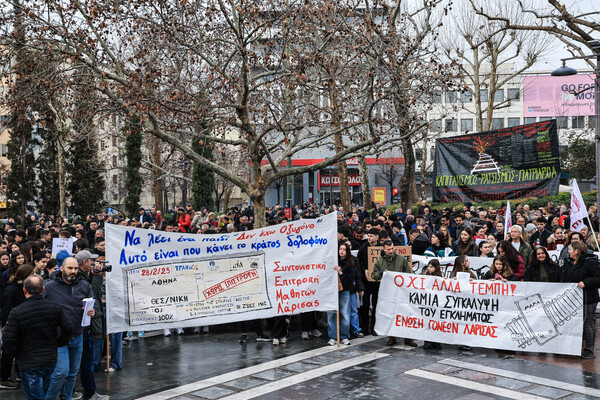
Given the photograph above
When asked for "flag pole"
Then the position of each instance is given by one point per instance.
(593, 233)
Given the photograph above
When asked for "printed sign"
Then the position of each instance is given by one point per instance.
(379, 195)
(172, 280)
(521, 316)
(353, 180)
(512, 163)
(374, 253)
(60, 244)
(551, 96)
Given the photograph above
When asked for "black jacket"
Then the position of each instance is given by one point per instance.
(420, 244)
(35, 329)
(70, 298)
(532, 272)
(471, 250)
(587, 271)
(358, 286)
(348, 274)
(96, 324)
(13, 296)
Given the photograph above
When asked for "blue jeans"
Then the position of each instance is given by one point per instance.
(344, 307)
(97, 347)
(35, 381)
(354, 324)
(63, 378)
(88, 380)
(116, 350)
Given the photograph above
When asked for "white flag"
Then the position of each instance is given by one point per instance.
(578, 210)
(507, 219)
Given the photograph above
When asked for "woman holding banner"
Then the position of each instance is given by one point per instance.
(345, 270)
(582, 268)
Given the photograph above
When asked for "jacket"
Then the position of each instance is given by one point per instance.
(34, 331)
(97, 322)
(587, 271)
(13, 296)
(395, 263)
(525, 251)
(70, 299)
(358, 285)
(471, 250)
(348, 275)
(420, 244)
(439, 251)
(532, 272)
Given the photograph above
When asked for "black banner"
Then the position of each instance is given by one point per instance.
(512, 163)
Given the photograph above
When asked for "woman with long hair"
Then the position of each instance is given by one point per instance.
(484, 249)
(345, 269)
(542, 268)
(438, 248)
(462, 264)
(513, 258)
(465, 245)
(582, 268)
(16, 260)
(446, 238)
(500, 270)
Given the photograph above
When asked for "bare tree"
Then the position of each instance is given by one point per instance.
(488, 54)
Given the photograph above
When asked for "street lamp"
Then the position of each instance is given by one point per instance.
(567, 71)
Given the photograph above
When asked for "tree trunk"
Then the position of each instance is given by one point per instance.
(260, 220)
(364, 180)
(339, 147)
(62, 176)
(157, 185)
(226, 198)
(408, 186)
(424, 167)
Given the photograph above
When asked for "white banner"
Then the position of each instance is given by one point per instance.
(174, 280)
(520, 316)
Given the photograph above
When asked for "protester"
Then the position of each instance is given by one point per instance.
(345, 270)
(34, 331)
(542, 268)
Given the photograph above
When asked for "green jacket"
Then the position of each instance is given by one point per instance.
(525, 251)
(395, 263)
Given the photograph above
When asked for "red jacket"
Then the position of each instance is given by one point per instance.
(184, 222)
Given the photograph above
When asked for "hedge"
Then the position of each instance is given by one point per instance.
(589, 199)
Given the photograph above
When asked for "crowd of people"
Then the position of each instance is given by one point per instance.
(33, 280)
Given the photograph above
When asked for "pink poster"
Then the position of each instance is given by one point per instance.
(554, 96)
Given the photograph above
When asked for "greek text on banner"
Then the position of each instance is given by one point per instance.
(171, 280)
(520, 316)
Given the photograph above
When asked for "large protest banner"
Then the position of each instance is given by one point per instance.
(167, 280)
(512, 163)
(523, 316)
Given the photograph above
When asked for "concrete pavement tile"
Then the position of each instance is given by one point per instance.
(401, 383)
(471, 375)
(440, 368)
(246, 382)
(272, 374)
(368, 392)
(509, 383)
(478, 396)
(213, 392)
(299, 367)
(549, 392)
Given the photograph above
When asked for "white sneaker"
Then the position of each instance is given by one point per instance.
(275, 342)
(304, 335)
(197, 330)
(98, 396)
(205, 329)
(332, 342)
(180, 331)
(283, 340)
(346, 342)
(166, 332)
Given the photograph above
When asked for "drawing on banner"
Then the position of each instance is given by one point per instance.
(539, 321)
(186, 290)
(485, 163)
